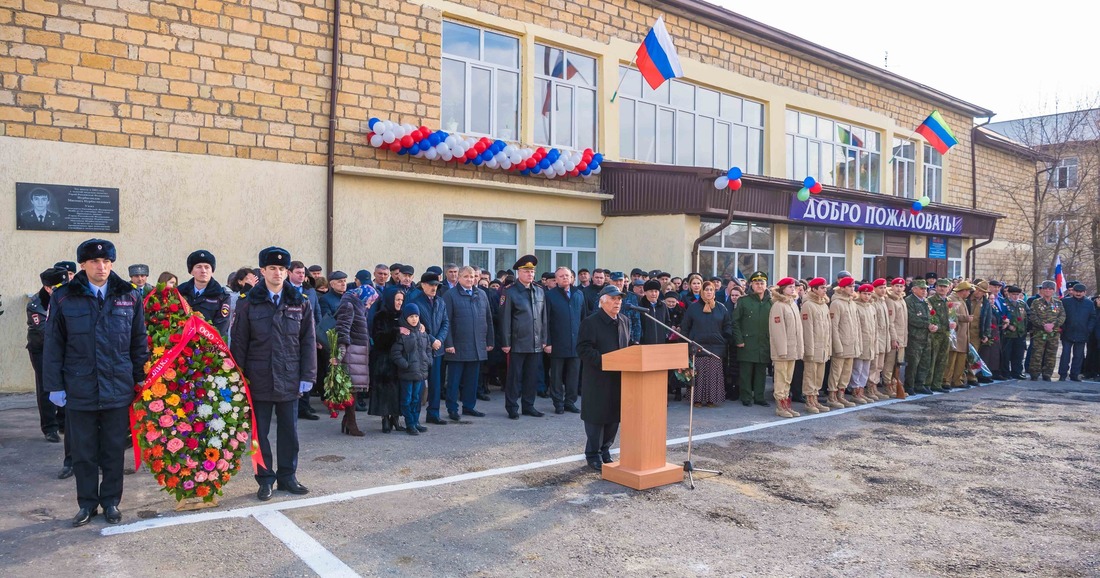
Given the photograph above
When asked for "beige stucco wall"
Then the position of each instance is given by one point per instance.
(651, 242)
(170, 205)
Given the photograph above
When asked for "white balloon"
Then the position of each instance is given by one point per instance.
(506, 164)
(720, 183)
(491, 163)
(388, 137)
(431, 154)
(557, 165)
(597, 171)
(446, 156)
(376, 140)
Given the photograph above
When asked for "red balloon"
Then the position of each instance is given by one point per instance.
(479, 147)
(735, 184)
(816, 188)
(574, 173)
(425, 131)
(471, 153)
(407, 141)
(370, 134)
(582, 165)
(540, 153)
(531, 162)
(394, 146)
(913, 212)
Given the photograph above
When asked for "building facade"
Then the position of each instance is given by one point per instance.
(212, 120)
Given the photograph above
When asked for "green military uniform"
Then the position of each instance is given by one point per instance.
(750, 330)
(1014, 336)
(940, 342)
(1044, 344)
(918, 353)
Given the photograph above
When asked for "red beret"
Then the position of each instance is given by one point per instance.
(866, 288)
(846, 282)
(898, 281)
(817, 282)
(880, 282)
(785, 281)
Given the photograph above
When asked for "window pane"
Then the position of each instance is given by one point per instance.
(796, 238)
(586, 119)
(790, 156)
(706, 262)
(453, 255)
(647, 131)
(504, 258)
(480, 104)
(626, 129)
(581, 237)
(872, 243)
(954, 248)
(763, 263)
(739, 147)
(736, 236)
(704, 228)
(825, 130)
(660, 95)
(563, 259)
(582, 70)
(501, 49)
(731, 108)
(545, 262)
(836, 241)
(792, 121)
(754, 113)
(727, 264)
(722, 146)
(707, 102)
(480, 258)
(704, 141)
(461, 40)
(806, 265)
(454, 96)
(496, 233)
(838, 266)
(823, 266)
(632, 82)
(792, 267)
(459, 231)
(815, 240)
(586, 260)
(762, 237)
(563, 117)
(874, 160)
(683, 94)
(549, 60)
(543, 104)
(754, 164)
(807, 124)
(665, 141)
(507, 105)
(549, 236)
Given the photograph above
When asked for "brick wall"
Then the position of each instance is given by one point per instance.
(1005, 187)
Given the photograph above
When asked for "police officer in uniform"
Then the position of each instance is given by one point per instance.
(523, 328)
(1045, 319)
(94, 354)
(139, 275)
(50, 417)
(940, 342)
(204, 293)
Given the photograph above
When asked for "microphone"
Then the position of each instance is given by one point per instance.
(638, 308)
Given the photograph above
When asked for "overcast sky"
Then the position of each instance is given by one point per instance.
(1017, 60)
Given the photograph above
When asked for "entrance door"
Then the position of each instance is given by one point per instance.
(919, 267)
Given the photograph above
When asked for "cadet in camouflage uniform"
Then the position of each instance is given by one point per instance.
(940, 342)
(1045, 320)
(1015, 335)
(918, 355)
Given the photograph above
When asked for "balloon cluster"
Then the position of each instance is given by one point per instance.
(731, 179)
(809, 186)
(423, 142)
(920, 204)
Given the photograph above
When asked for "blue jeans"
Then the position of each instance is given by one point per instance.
(435, 376)
(1066, 369)
(462, 377)
(410, 402)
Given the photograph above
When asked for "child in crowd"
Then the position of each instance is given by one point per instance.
(412, 354)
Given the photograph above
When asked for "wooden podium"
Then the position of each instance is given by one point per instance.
(644, 415)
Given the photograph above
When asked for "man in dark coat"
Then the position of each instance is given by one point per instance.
(523, 337)
(274, 345)
(433, 315)
(652, 332)
(467, 344)
(604, 331)
(296, 276)
(139, 277)
(565, 309)
(203, 292)
(1079, 324)
(93, 356)
(50, 417)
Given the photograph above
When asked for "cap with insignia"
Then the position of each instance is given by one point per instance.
(1048, 284)
(866, 288)
(785, 281)
(95, 249)
(274, 256)
(611, 290)
(66, 265)
(53, 277)
(204, 256)
(617, 276)
(898, 281)
(943, 283)
(846, 282)
(135, 270)
(526, 262)
(921, 283)
(759, 276)
(880, 282)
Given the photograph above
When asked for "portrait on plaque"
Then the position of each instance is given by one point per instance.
(41, 207)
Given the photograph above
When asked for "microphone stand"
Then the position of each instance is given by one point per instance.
(689, 467)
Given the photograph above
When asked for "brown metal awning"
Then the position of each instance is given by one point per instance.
(646, 189)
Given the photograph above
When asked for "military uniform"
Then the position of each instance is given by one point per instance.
(750, 335)
(1015, 336)
(939, 343)
(523, 329)
(918, 351)
(212, 302)
(1044, 343)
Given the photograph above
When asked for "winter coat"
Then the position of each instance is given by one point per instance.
(961, 308)
(845, 326)
(471, 325)
(275, 347)
(899, 317)
(523, 318)
(868, 329)
(214, 303)
(96, 355)
(353, 333)
(785, 329)
(433, 315)
(652, 333)
(564, 316)
(710, 330)
(817, 332)
(1080, 319)
(37, 311)
(884, 329)
(412, 353)
(599, 334)
(750, 327)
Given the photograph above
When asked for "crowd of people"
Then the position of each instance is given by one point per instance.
(445, 341)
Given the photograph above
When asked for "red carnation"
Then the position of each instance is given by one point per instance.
(192, 443)
(173, 308)
(198, 427)
(200, 393)
(931, 311)
(164, 324)
(155, 307)
(189, 406)
(174, 338)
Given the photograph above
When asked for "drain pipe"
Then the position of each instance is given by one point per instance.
(972, 255)
(331, 184)
(721, 226)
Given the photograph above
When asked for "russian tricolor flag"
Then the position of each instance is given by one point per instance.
(656, 58)
(935, 130)
(1059, 279)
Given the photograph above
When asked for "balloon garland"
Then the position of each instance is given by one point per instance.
(732, 180)
(422, 142)
(809, 186)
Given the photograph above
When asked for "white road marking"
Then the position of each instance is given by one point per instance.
(323, 562)
(377, 490)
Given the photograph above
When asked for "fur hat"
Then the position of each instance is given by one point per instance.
(274, 256)
(202, 256)
(95, 249)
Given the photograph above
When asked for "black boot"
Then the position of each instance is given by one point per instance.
(387, 426)
(396, 424)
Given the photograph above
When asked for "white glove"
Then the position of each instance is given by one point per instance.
(57, 398)
(304, 386)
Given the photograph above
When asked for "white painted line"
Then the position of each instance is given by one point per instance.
(323, 562)
(377, 490)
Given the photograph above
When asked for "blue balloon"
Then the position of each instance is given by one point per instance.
(587, 171)
(733, 174)
(917, 206)
(486, 156)
(403, 151)
(499, 146)
(434, 139)
(477, 161)
(371, 122)
(809, 182)
(597, 158)
(425, 145)
(544, 164)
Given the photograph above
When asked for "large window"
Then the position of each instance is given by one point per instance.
(1064, 175)
(1058, 230)
(954, 257)
(683, 124)
(480, 82)
(740, 247)
(873, 246)
(490, 245)
(565, 98)
(933, 174)
(814, 252)
(565, 246)
(905, 168)
(833, 153)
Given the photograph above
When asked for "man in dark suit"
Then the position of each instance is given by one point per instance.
(566, 309)
(39, 216)
(602, 332)
(523, 337)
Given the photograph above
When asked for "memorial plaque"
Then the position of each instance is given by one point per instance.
(66, 208)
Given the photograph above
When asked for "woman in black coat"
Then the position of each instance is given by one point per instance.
(353, 337)
(604, 331)
(385, 392)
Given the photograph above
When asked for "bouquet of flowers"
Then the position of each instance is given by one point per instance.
(338, 396)
(192, 418)
(685, 374)
(952, 321)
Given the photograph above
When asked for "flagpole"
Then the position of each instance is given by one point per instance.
(622, 77)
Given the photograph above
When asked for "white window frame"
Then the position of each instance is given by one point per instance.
(548, 255)
(814, 148)
(869, 256)
(746, 258)
(837, 261)
(954, 257)
(574, 85)
(727, 126)
(1064, 174)
(495, 70)
(933, 174)
(1058, 225)
(905, 168)
(500, 256)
